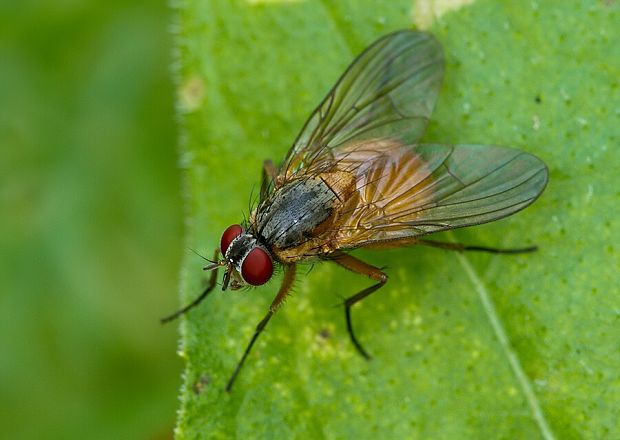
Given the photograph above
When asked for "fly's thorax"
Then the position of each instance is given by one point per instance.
(293, 213)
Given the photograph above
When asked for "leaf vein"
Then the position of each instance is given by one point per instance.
(511, 355)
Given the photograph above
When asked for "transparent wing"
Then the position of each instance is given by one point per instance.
(388, 92)
(405, 191)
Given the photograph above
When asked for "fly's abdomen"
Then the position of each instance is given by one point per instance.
(292, 212)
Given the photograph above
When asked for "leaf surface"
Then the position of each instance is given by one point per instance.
(464, 346)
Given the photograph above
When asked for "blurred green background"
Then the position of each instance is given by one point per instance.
(91, 224)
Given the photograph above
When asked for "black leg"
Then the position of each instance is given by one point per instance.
(287, 283)
(347, 314)
(462, 247)
(358, 266)
(208, 289)
(259, 329)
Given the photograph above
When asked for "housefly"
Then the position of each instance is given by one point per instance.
(357, 176)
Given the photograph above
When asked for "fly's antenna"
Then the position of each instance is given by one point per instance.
(201, 256)
(213, 264)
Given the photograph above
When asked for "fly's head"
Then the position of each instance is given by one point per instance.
(246, 260)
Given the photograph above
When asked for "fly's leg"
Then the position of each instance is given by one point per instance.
(410, 241)
(358, 266)
(270, 172)
(208, 289)
(462, 247)
(287, 283)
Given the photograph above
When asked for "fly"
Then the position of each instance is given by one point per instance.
(357, 176)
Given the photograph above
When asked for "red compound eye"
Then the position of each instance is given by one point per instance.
(257, 267)
(228, 236)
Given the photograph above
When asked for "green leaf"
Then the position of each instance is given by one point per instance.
(464, 346)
